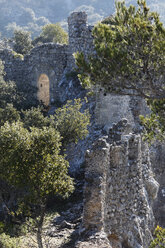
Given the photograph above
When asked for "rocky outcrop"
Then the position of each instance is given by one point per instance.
(97, 240)
(157, 154)
(120, 188)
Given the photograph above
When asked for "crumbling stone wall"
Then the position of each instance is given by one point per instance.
(50, 59)
(119, 182)
(120, 188)
(13, 65)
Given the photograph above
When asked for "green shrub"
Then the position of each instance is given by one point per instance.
(159, 241)
(2, 226)
(18, 55)
(7, 242)
(22, 42)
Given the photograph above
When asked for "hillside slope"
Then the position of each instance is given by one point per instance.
(33, 14)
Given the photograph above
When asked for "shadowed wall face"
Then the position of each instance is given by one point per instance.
(44, 89)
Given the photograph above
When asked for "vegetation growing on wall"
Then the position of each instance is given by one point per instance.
(22, 42)
(129, 58)
(52, 33)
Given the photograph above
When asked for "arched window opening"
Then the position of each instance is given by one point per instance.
(44, 89)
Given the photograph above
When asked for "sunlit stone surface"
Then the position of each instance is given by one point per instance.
(43, 89)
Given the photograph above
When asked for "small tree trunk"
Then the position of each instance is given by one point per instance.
(39, 227)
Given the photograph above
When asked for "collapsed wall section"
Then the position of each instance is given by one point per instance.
(119, 189)
(13, 65)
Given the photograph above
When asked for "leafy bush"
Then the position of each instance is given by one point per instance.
(8, 113)
(71, 122)
(155, 122)
(159, 241)
(7, 242)
(17, 55)
(52, 33)
(2, 226)
(22, 41)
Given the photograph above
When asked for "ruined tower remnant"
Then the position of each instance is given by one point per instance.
(77, 23)
(80, 36)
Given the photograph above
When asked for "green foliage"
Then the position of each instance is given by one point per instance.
(159, 241)
(8, 113)
(71, 122)
(2, 226)
(129, 53)
(32, 158)
(7, 242)
(32, 151)
(17, 55)
(129, 59)
(35, 118)
(68, 120)
(52, 10)
(22, 42)
(7, 89)
(8, 93)
(8, 97)
(27, 95)
(154, 123)
(52, 33)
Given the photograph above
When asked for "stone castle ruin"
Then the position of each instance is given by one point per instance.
(121, 173)
(44, 67)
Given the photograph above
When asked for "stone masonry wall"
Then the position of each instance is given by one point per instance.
(119, 181)
(120, 188)
(13, 66)
(50, 59)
